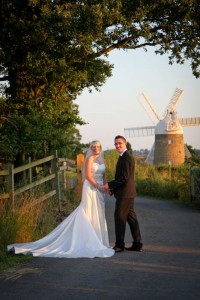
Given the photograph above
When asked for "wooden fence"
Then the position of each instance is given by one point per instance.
(10, 191)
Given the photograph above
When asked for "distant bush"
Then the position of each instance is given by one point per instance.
(111, 157)
(161, 181)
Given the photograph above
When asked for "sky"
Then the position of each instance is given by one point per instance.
(117, 105)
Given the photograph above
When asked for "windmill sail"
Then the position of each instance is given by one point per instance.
(173, 102)
(139, 131)
(193, 121)
(148, 106)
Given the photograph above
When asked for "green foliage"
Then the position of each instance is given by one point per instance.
(10, 260)
(37, 132)
(111, 157)
(50, 51)
(129, 148)
(8, 229)
(51, 42)
(157, 188)
(162, 181)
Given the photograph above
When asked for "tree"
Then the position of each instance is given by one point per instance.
(38, 132)
(51, 50)
(129, 148)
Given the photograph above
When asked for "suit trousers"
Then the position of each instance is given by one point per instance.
(124, 212)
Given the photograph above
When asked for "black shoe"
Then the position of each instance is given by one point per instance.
(118, 249)
(135, 247)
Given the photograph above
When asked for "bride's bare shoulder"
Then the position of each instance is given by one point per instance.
(89, 160)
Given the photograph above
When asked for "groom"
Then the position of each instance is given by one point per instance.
(123, 188)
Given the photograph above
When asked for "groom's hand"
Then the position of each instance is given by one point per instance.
(106, 187)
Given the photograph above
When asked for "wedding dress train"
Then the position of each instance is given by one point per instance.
(82, 234)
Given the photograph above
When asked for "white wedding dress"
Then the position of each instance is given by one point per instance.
(82, 234)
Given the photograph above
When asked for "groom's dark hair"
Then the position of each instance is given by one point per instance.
(120, 137)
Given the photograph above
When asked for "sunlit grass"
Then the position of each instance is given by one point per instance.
(30, 221)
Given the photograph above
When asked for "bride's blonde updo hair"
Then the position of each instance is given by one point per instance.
(95, 142)
(89, 153)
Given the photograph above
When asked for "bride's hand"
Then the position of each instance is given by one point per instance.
(98, 186)
(101, 187)
(105, 187)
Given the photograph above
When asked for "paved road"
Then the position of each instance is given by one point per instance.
(168, 269)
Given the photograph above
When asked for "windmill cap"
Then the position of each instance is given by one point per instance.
(169, 125)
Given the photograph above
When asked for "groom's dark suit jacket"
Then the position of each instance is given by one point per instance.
(123, 185)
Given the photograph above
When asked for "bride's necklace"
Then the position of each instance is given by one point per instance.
(97, 159)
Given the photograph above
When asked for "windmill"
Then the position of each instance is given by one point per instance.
(168, 147)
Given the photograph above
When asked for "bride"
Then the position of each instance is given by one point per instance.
(84, 232)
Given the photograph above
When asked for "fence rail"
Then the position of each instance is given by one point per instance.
(53, 178)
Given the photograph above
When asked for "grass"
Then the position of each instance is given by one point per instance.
(24, 224)
(11, 260)
(164, 183)
(30, 221)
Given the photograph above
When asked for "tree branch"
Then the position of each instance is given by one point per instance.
(4, 118)
(122, 45)
(5, 78)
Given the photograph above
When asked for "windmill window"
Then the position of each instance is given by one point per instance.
(170, 142)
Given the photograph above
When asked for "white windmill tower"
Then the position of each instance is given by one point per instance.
(169, 146)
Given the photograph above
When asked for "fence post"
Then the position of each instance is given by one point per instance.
(29, 171)
(30, 176)
(80, 162)
(7, 181)
(55, 171)
(64, 180)
(11, 185)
